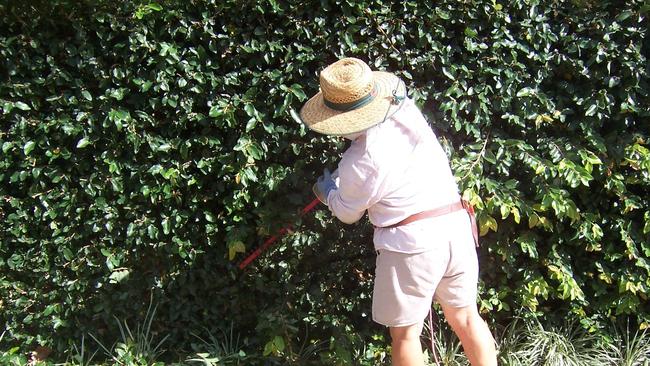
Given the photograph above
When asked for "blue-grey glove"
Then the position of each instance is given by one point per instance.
(324, 185)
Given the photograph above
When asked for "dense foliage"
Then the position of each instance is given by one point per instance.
(147, 146)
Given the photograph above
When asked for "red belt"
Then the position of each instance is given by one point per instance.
(440, 211)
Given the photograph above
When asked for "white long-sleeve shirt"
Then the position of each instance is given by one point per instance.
(394, 170)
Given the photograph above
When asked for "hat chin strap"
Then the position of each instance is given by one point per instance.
(396, 99)
(346, 107)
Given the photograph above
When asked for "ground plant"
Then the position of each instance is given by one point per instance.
(146, 146)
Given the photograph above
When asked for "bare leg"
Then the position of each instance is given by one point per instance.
(407, 350)
(473, 333)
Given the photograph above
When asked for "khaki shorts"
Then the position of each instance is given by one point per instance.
(406, 284)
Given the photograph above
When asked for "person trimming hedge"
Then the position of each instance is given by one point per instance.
(424, 236)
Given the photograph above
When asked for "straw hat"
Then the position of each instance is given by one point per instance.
(352, 98)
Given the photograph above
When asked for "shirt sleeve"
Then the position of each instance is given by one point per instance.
(357, 189)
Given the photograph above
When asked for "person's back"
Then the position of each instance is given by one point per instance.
(408, 155)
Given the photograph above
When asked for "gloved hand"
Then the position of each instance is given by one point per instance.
(324, 185)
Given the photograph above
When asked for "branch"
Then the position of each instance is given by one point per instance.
(390, 41)
(480, 155)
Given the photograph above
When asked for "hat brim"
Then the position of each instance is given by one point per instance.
(323, 119)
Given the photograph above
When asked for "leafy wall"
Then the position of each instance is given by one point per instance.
(145, 147)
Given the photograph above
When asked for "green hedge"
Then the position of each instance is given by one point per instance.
(146, 146)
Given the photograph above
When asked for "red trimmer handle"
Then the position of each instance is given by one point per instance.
(268, 242)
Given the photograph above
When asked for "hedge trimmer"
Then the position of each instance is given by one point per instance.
(268, 242)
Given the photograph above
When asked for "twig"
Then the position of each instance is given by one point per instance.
(480, 155)
(390, 41)
(286, 334)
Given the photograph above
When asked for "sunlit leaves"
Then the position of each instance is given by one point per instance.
(296, 90)
(28, 147)
(145, 9)
(140, 136)
(548, 139)
(83, 143)
(22, 106)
